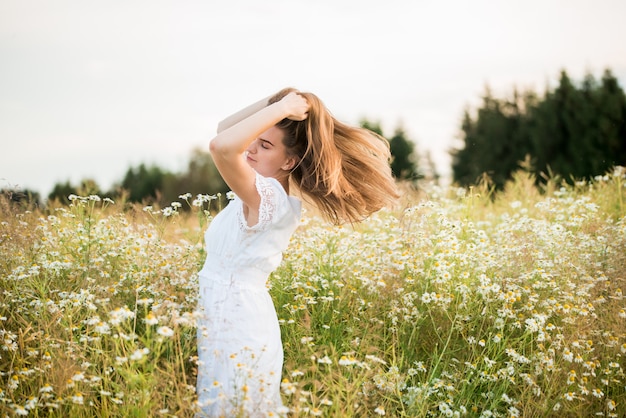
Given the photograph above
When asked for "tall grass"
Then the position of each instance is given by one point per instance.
(464, 303)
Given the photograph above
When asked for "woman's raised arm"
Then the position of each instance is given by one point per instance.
(242, 114)
(228, 147)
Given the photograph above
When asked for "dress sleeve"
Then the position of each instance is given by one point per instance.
(273, 206)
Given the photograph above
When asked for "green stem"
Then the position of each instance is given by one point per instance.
(445, 347)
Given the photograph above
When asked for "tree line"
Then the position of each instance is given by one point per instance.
(151, 184)
(572, 131)
(575, 131)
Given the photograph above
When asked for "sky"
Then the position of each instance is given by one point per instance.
(91, 88)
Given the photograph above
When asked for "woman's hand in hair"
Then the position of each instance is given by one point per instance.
(296, 106)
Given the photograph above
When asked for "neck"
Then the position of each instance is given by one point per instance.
(283, 179)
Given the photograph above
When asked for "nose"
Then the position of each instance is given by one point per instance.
(252, 147)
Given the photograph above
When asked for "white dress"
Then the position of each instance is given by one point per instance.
(240, 353)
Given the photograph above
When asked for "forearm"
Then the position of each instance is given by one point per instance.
(242, 114)
(235, 139)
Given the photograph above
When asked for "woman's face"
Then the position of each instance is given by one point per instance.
(268, 156)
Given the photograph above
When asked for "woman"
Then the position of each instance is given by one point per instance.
(289, 138)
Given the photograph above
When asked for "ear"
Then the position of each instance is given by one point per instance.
(290, 163)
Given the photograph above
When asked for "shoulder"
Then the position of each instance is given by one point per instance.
(275, 202)
(270, 188)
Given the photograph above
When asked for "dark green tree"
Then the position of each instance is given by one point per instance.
(89, 187)
(579, 132)
(403, 165)
(201, 177)
(372, 126)
(611, 104)
(144, 184)
(61, 191)
(558, 129)
(403, 155)
(572, 131)
(494, 143)
(25, 199)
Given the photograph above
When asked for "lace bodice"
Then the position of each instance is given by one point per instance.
(232, 244)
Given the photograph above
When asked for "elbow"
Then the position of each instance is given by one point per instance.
(219, 149)
(214, 147)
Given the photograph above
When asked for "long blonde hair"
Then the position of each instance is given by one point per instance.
(344, 170)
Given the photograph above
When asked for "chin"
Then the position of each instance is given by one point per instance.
(262, 173)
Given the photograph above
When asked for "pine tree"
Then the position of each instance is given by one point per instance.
(403, 155)
(574, 132)
(611, 104)
(495, 142)
(403, 165)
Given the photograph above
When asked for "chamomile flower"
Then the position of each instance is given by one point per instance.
(165, 331)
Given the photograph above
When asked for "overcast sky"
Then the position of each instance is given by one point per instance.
(89, 88)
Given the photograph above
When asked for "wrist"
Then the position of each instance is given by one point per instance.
(279, 109)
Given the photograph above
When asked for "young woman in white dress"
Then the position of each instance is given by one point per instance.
(287, 139)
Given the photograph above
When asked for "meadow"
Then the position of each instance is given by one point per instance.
(456, 303)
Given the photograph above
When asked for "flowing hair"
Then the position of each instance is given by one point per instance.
(343, 170)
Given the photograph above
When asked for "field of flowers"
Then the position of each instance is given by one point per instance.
(456, 303)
